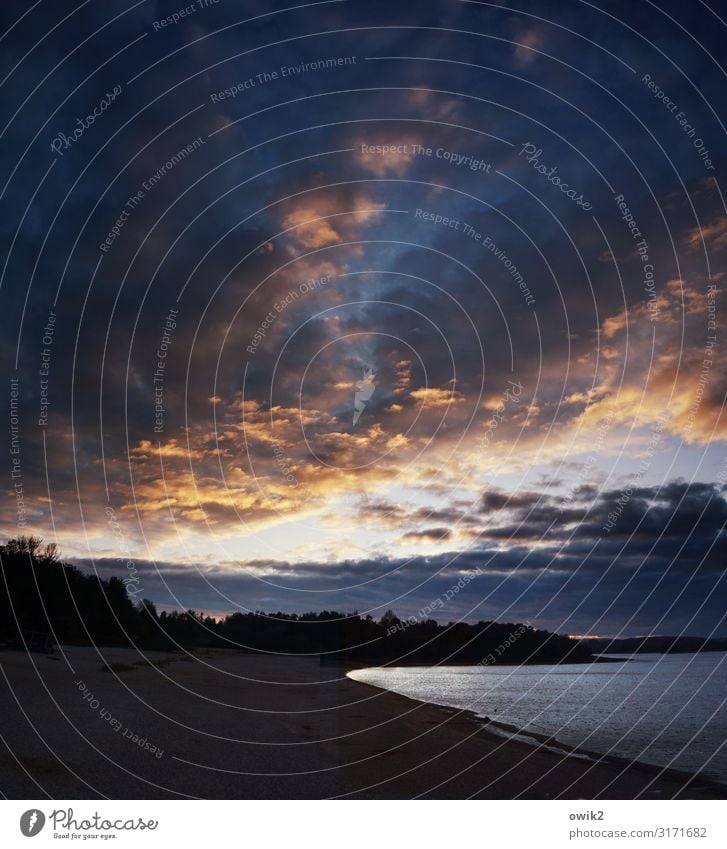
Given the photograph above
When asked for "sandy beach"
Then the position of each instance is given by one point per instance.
(109, 723)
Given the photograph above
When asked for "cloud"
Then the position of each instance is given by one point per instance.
(526, 50)
(383, 154)
(403, 376)
(429, 534)
(672, 370)
(279, 482)
(712, 235)
(433, 397)
(319, 221)
(496, 499)
(669, 515)
(668, 543)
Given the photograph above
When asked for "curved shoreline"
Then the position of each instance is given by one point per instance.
(667, 782)
(241, 726)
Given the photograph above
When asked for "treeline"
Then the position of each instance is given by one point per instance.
(340, 637)
(656, 645)
(41, 595)
(43, 600)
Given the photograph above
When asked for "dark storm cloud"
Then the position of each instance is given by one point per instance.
(495, 499)
(451, 515)
(679, 516)
(429, 534)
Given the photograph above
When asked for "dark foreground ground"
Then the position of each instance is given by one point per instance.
(231, 725)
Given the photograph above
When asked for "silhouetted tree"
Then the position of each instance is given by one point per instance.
(40, 593)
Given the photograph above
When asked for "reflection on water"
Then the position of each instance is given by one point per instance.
(668, 710)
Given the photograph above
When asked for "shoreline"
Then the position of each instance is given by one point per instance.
(231, 725)
(506, 734)
(511, 733)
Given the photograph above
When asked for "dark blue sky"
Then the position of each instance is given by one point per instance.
(218, 218)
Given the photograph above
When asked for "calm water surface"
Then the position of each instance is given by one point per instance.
(668, 710)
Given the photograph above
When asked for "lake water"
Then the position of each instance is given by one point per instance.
(668, 710)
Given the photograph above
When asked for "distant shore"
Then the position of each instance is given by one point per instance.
(350, 664)
(236, 725)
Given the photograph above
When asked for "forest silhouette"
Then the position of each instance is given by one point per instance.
(44, 601)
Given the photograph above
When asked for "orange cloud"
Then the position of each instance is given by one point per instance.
(432, 397)
(714, 235)
(671, 370)
(328, 220)
(395, 157)
(526, 47)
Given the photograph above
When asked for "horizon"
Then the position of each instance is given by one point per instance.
(219, 616)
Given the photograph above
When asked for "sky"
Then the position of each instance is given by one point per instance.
(366, 306)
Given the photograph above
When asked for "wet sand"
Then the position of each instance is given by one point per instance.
(224, 724)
